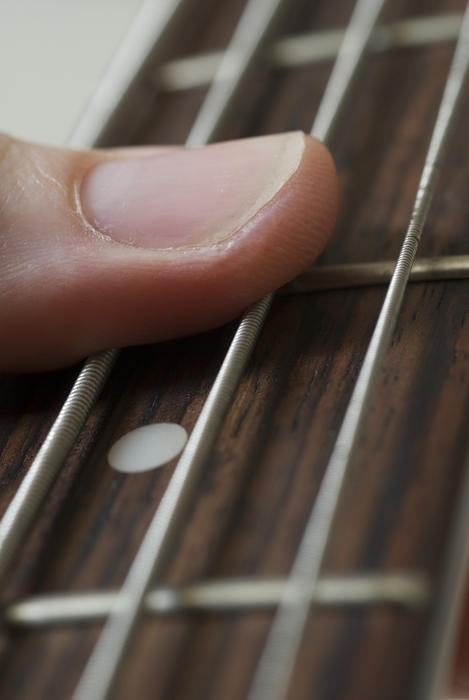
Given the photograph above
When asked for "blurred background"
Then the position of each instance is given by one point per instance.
(52, 54)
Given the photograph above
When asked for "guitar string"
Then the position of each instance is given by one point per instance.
(273, 674)
(159, 541)
(144, 35)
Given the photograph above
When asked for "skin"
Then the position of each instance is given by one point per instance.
(67, 290)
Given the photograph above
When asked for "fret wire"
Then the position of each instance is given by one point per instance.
(349, 275)
(198, 70)
(274, 671)
(160, 539)
(410, 589)
(145, 33)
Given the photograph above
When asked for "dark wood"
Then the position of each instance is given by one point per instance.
(262, 477)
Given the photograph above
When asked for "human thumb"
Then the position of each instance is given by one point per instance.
(111, 248)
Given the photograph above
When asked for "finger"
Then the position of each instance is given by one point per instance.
(103, 249)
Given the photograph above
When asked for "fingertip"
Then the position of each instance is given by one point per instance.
(288, 233)
(208, 286)
(321, 173)
(76, 291)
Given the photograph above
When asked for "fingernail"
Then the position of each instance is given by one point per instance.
(188, 197)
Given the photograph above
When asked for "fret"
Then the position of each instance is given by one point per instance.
(221, 591)
(310, 48)
(408, 589)
(349, 275)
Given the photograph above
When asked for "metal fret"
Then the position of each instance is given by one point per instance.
(347, 275)
(410, 590)
(274, 672)
(100, 673)
(309, 49)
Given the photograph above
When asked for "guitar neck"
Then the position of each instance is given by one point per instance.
(382, 576)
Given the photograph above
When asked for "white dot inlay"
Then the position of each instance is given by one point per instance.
(147, 448)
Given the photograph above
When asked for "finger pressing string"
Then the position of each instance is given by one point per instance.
(104, 249)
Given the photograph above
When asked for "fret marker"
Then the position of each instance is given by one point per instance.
(147, 447)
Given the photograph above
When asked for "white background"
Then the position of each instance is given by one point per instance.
(52, 54)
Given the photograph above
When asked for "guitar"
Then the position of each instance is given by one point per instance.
(250, 508)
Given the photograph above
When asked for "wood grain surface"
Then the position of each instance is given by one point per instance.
(261, 479)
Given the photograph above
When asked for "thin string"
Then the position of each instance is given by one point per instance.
(161, 537)
(40, 476)
(274, 671)
(354, 44)
(250, 33)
